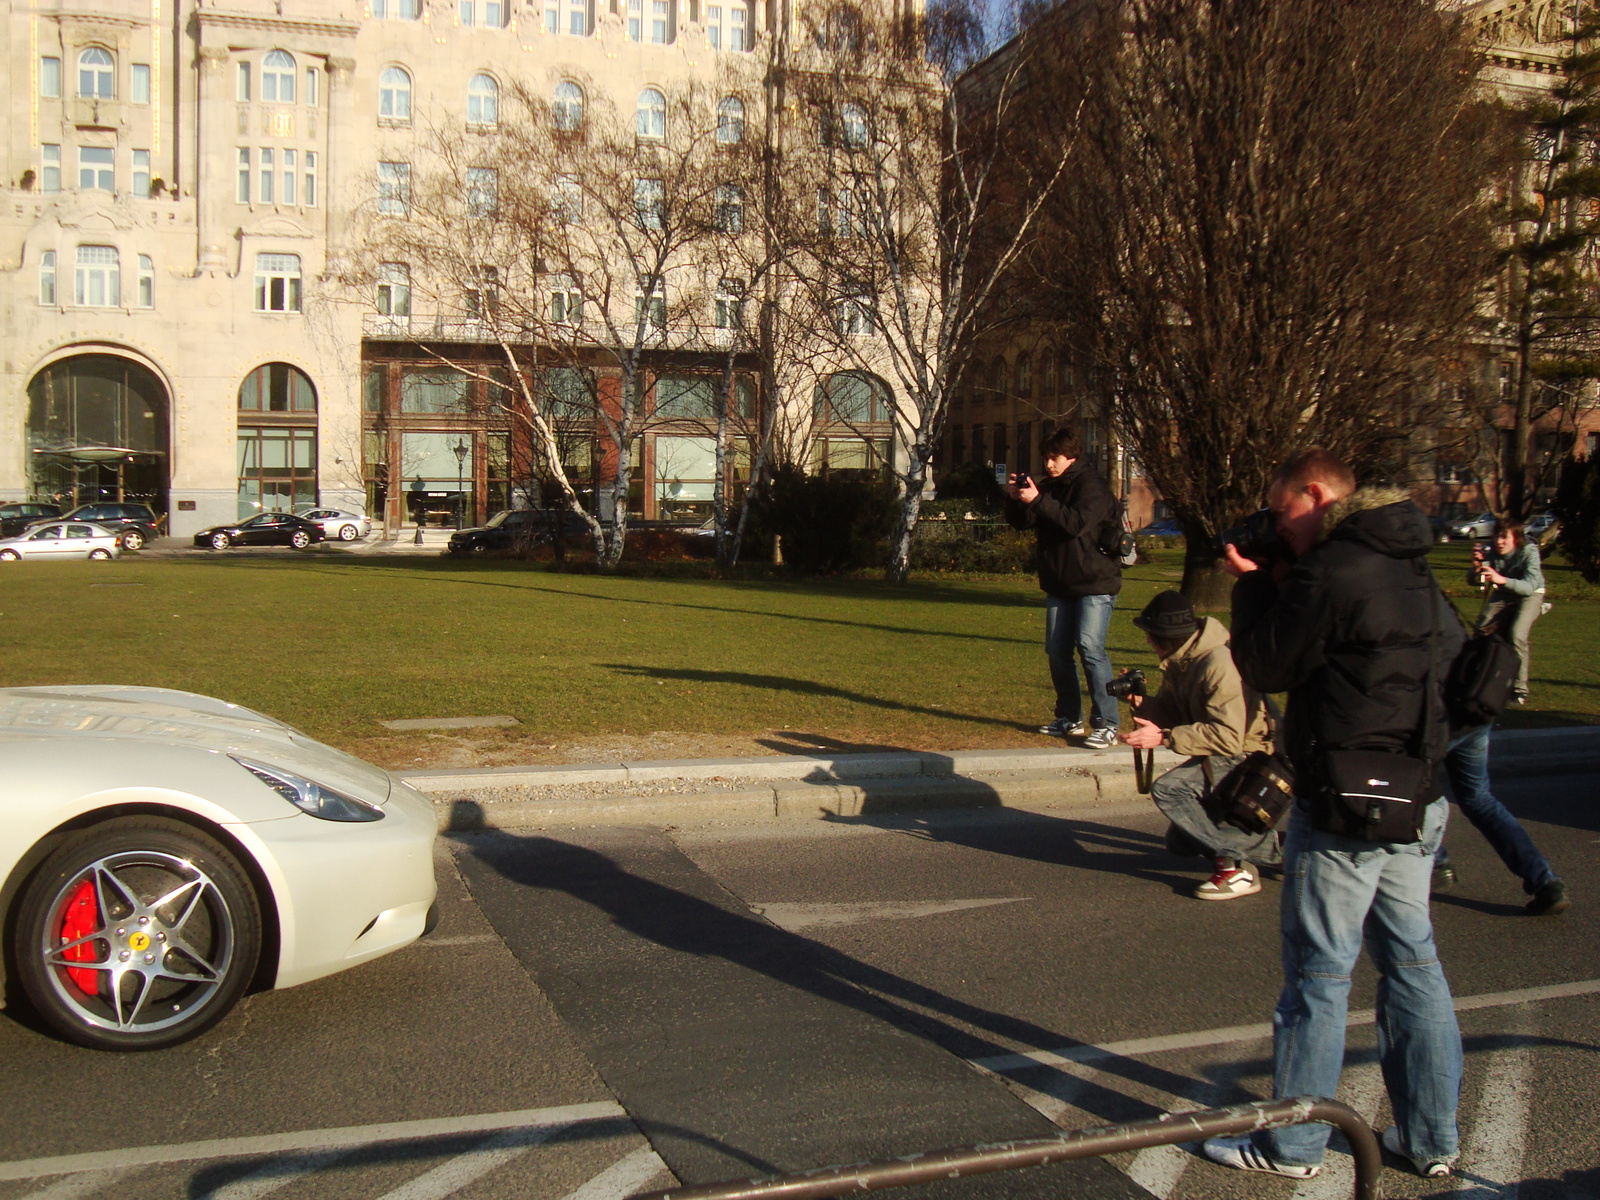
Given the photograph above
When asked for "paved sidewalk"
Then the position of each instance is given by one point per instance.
(857, 785)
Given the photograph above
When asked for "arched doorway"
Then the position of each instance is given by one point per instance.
(854, 413)
(97, 431)
(277, 440)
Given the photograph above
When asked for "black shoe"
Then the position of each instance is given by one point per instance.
(1549, 900)
(1444, 878)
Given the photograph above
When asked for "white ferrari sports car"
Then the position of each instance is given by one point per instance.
(164, 852)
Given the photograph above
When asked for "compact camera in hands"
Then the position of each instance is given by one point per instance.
(1127, 685)
(1022, 482)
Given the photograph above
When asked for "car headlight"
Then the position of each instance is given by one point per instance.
(310, 797)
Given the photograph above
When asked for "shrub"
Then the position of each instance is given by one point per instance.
(827, 524)
(973, 483)
(1578, 506)
(987, 547)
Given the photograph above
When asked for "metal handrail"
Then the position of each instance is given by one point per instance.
(1165, 1130)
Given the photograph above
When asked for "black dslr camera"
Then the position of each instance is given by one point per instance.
(1126, 685)
(1256, 538)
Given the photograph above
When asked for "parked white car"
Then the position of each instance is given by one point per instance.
(60, 540)
(337, 524)
(164, 851)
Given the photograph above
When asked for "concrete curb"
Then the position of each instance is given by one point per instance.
(788, 787)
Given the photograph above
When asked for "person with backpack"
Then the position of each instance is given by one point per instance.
(1074, 517)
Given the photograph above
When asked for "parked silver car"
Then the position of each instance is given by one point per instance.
(62, 540)
(338, 524)
(1480, 526)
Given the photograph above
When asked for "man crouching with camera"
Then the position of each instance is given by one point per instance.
(1203, 710)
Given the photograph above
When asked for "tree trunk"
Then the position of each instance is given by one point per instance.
(1207, 586)
(905, 525)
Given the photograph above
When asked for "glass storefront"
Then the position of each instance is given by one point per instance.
(277, 440)
(97, 431)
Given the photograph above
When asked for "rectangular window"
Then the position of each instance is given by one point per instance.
(736, 38)
(147, 281)
(578, 19)
(658, 21)
(730, 304)
(277, 283)
(99, 277)
(268, 165)
(435, 390)
(242, 89)
(312, 81)
(653, 312)
(493, 15)
(394, 292)
(566, 304)
(394, 189)
(567, 198)
(243, 196)
(714, 26)
(647, 203)
(50, 78)
(141, 174)
(47, 277)
(309, 191)
(139, 84)
(96, 168)
(288, 176)
(635, 19)
(50, 168)
(552, 16)
(483, 190)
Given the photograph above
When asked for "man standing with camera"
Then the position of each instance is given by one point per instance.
(1358, 634)
(1070, 512)
(1204, 710)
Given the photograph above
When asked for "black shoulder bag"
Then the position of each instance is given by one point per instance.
(1256, 794)
(1376, 795)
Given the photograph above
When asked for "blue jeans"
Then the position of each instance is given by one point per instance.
(1177, 794)
(1467, 769)
(1334, 889)
(1080, 625)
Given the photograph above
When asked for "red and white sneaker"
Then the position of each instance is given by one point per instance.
(1230, 882)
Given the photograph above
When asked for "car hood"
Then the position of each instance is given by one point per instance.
(143, 714)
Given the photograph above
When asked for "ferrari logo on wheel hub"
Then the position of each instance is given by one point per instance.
(139, 941)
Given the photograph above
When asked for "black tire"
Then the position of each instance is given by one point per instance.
(133, 539)
(200, 947)
(348, 533)
(300, 539)
(9, 556)
(220, 541)
(99, 555)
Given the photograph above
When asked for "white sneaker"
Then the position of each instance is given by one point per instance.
(1240, 1152)
(1544, 608)
(1433, 1168)
(1061, 727)
(1229, 883)
(1101, 739)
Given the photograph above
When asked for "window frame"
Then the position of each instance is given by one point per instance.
(393, 95)
(47, 166)
(271, 269)
(145, 293)
(86, 273)
(567, 111)
(104, 74)
(278, 75)
(99, 169)
(648, 113)
(49, 77)
(730, 127)
(49, 279)
(394, 193)
(486, 102)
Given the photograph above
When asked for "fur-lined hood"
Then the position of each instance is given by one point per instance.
(1383, 518)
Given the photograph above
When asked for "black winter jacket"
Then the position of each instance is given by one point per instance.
(1067, 517)
(1347, 635)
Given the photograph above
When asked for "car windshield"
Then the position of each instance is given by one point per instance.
(498, 519)
(263, 519)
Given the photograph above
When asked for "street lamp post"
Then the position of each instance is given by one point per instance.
(461, 448)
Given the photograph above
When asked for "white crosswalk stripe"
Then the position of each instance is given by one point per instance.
(622, 1178)
(274, 1174)
(1494, 1146)
(1361, 1087)
(488, 1155)
(74, 1187)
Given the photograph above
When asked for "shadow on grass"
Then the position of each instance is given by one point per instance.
(805, 687)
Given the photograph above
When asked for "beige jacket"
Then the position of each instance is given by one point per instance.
(1202, 700)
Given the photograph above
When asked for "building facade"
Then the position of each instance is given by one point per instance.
(184, 179)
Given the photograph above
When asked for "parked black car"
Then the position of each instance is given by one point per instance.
(135, 523)
(16, 517)
(268, 529)
(512, 528)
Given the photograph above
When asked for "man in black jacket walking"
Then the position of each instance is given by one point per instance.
(1356, 632)
(1068, 511)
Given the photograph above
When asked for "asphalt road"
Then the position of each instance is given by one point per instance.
(605, 1011)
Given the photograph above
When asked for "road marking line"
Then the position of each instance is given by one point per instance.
(73, 1187)
(794, 917)
(309, 1139)
(274, 1174)
(469, 939)
(1158, 1169)
(488, 1155)
(622, 1178)
(1253, 1033)
(1499, 1136)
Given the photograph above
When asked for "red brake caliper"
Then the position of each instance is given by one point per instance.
(81, 918)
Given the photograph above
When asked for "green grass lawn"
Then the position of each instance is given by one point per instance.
(335, 644)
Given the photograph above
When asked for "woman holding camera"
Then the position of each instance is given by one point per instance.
(1517, 601)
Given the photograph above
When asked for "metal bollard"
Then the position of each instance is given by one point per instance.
(1165, 1130)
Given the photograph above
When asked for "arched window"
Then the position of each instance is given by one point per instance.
(277, 78)
(568, 107)
(394, 96)
(650, 116)
(730, 121)
(853, 126)
(1024, 376)
(96, 70)
(277, 387)
(483, 101)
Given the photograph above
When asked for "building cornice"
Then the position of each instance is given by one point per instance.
(268, 23)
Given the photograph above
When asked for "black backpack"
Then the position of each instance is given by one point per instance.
(1481, 679)
(1115, 541)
